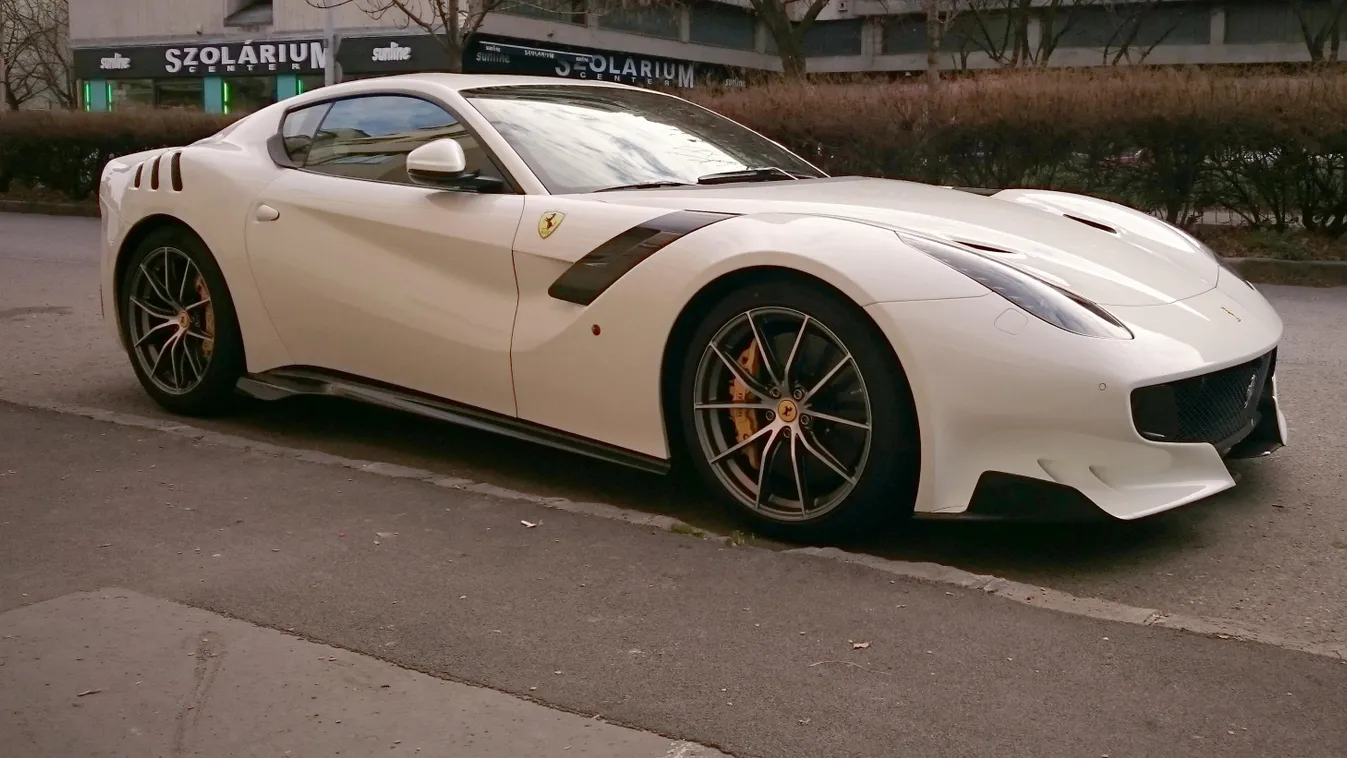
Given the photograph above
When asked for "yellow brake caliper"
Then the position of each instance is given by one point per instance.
(745, 420)
(204, 293)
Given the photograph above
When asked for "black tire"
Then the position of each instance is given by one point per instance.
(215, 391)
(885, 489)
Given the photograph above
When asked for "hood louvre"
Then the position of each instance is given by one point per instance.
(1095, 224)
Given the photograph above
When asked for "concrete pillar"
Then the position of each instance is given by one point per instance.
(1218, 25)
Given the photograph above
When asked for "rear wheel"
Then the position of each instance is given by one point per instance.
(179, 325)
(794, 408)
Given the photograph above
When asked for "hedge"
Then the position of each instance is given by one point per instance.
(1271, 148)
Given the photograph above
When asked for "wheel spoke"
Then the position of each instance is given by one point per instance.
(157, 313)
(797, 468)
(198, 335)
(159, 293)
(743, 444)
(151, 332)
(168, 273)
(828, 376)
(738, 371)
(173, 361)
(182, 289)
(768, 451)
(768, 359)
(795, 348)
(164, 348)
(191, 362)
(837, 420)
(197, 304)
(823, 455)
(731, 407)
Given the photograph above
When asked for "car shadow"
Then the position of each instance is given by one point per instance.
(1023, 551)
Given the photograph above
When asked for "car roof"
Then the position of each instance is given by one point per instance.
(460, 82)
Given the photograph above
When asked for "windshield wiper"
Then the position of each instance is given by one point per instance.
(646, 185)
(764, 174)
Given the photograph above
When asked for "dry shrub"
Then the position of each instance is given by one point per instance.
(66, 151)
(1273, 148)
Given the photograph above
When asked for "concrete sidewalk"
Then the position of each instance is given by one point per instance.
(118, 674)
(754, 652)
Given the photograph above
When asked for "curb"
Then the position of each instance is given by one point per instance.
(1298, 273)
(50, 209)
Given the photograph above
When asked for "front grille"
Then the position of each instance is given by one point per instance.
(1218, 408)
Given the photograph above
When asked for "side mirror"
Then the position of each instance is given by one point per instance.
(438, 164)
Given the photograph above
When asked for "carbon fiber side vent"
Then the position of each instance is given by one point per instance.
(175, 171)
(140, 173)
(154, 173)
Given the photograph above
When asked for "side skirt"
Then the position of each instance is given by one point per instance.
(289, 382)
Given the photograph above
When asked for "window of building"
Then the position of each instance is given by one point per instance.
(1110, 27)
(655, 21)
(903, 36)
(245, 94)
(249, 13)
(1270, 21)
(560, 11)
(180, 93)
(129, 94)
(723, 26)
(370, 137)
(308, 82)
(824, 39)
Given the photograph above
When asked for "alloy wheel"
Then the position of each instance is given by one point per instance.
(170, 320)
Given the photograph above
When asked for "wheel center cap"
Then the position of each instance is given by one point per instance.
(788, 411)
(184, 320)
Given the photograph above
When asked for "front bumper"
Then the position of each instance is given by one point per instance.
(1005, 400)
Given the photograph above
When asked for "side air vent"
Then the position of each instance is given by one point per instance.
(140, 173)
(1095, 224)
(154, 173)
(986, 248)
(175, 169)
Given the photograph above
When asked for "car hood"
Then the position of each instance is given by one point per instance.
(1099, 250)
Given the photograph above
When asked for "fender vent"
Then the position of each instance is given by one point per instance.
(140, 172)
(1095, 224)
(175, 171)
(154, 173)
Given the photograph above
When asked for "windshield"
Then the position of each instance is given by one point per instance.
(581, 139)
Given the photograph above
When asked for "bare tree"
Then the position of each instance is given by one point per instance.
(1320, 28)
(788, 33)
(939, 15)
(1001, 29)
(1140, 27)
(35, 61)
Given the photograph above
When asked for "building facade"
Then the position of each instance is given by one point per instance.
(238, 55)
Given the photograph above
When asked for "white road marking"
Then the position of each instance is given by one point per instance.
(935, 573)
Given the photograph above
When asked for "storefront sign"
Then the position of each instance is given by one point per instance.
(489, 54)
(214, 59)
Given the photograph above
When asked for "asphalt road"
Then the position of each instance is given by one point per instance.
(750, 651)
(1271, 553)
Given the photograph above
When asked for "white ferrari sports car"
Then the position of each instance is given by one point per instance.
(621, 273)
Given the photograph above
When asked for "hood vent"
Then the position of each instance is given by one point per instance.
(140, 172)
(1095, 224)
(175, 171)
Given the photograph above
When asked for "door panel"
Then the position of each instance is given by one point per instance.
(397, 283)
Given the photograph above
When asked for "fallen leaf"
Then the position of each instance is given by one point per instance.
(383, 535)
(528, 524)
(88, 692)
(859, 645)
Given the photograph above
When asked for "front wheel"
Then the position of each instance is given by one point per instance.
(794, 407)
(178, 322)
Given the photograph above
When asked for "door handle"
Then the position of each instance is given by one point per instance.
(267, 213)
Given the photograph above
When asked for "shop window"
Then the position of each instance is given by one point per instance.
(1109, 27)
(370, 137)
(245, 94)
(309, 82)
(180, 93)
(722, 26)
(129, 94)
(654, 21)
(825, 39)
(1268, 22)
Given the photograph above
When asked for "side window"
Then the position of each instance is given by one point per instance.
(299, 128)
(369, 138)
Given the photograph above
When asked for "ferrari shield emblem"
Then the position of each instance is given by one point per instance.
(549, 223)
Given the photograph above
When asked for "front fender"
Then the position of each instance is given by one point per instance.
(596, 370)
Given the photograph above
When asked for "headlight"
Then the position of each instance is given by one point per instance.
(1044, 300)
